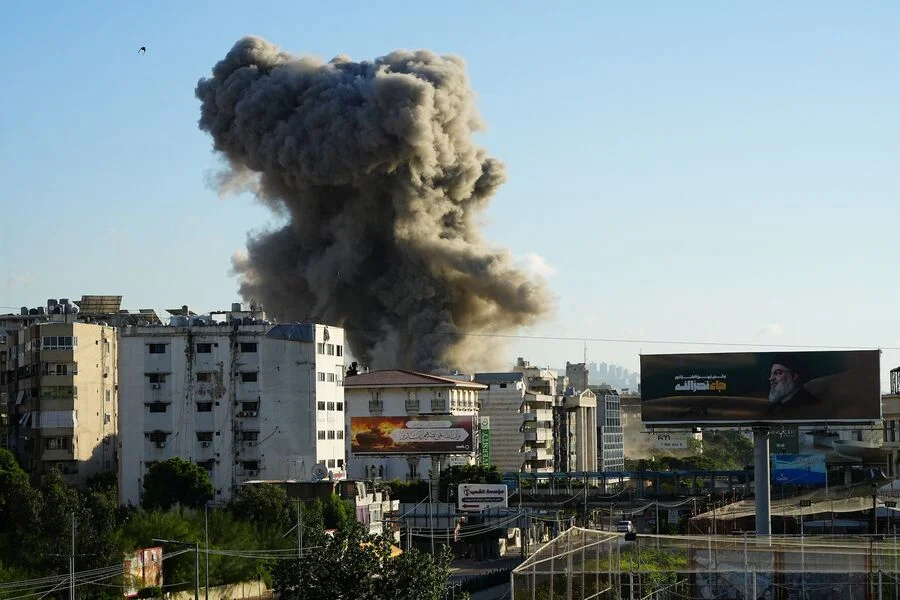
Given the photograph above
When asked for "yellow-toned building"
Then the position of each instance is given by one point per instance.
(61, 382)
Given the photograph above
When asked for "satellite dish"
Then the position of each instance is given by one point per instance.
(319, 472)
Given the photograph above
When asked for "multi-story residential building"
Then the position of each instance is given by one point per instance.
(612, 437)
(575, 431)
(521, 423)
(890, 410)
(238, 395)
(398, 393)
(60, 383)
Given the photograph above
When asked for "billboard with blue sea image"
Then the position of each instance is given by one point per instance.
(798, 469)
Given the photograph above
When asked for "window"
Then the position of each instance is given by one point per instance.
(204, 407)
(250, 465)
(249, 436)
(156, 377)
(106, 418)
(57, 391)
(249, 376)
(207, 464)
(339, 350)
(340, 434)
(62, 370)
(320, 348)
(57, 443)
(340, 463)
(248, 346)
(330, 434)
(156, 348)
(331, 463)
(329, 377)
(339, 406)
(330, 349)
(157, 436)
(339, 376)
(320, 376)
(204, 348)
(331, 406)
(321, 405)
(54, 342)
(320, 435)
(250, 406)
(204, 436)
(204, 377)
(108, 395)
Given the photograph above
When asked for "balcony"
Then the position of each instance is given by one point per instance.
(545, 415)
(57, 455)
(538, 435)
(539, 454)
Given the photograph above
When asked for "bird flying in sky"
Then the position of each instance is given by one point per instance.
(142, 49)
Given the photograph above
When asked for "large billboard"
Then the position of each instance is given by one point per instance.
(796, 469)
(426, 434)
(760, 387)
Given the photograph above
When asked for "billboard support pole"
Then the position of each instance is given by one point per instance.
(761, 483)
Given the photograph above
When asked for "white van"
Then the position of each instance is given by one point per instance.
(625, 527)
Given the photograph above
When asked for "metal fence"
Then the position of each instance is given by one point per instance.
(583, 564)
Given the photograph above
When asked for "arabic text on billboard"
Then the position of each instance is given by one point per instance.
(481, 496)
(798, 469)
(761, 387)
(445, 434)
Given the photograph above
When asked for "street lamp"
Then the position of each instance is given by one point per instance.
(196, 546)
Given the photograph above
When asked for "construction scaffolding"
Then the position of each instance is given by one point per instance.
(583, 564)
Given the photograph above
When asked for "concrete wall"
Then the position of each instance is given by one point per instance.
(262, 429)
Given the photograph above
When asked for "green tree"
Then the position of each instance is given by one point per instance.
(452, 477)
(177, 481)
(336, 513)
(20, 507)
(352, 565)
(262, 504)
(409, 491)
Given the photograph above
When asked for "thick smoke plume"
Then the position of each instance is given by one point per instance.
(373, 168)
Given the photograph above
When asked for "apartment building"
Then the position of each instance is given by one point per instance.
(575, 431)
(410, 398)
(521, 423)
(60, 382)
(611, 430)
(242, 397)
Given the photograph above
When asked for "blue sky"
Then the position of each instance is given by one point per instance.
(682, 171)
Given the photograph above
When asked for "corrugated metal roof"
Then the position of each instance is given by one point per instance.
(401, 378)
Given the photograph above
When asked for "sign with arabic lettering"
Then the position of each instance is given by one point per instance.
(424, 434)
(480, 496)
(761, 387)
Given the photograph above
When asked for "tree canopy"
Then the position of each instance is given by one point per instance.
(177, 481)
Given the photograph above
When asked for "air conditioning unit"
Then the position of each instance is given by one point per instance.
(242, 414)
(251, 443)
(205, 444)
(160, 444)
(154, 386)
(251, 413)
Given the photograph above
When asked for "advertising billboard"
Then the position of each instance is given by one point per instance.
(480, 496)
(784, 439)
(425, 434)
(143, 568)
(760, 387)
(797, 469)
(669, 441)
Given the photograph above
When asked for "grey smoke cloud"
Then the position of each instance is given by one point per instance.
(373, 168)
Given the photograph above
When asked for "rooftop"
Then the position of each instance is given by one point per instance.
(402, 378)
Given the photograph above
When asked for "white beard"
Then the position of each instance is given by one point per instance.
(782, 390)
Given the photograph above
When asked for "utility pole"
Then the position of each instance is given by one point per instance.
(206, 526)
(72, 563)
(196, 546)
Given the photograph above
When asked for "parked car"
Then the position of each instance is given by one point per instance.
(625, 527)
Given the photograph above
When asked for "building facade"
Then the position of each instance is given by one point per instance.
(60, 385)
(521, 423)
(611, 431)
(576, 432)
(398, 393)
(244, 398)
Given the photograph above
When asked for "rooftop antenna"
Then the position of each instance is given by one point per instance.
(585, 353)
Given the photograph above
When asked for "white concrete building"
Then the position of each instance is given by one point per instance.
(244, 398)
(521, 423)
(396, 393)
